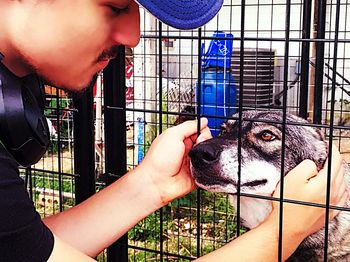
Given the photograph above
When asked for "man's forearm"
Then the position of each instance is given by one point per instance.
(259, 244)
(96, 223)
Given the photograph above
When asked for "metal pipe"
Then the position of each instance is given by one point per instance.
(115, 137)
(304, 86)
(160, 123)
(320, 21)
(331, 128)
(84, 150)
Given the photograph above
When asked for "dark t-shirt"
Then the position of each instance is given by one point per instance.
(23, 236)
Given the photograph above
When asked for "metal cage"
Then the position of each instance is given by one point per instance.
(287, 55)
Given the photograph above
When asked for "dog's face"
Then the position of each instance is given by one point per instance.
(215, 163)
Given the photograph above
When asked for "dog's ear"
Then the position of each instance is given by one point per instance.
(223, 128)
(313, 139)
(321, 134)
(228, 126)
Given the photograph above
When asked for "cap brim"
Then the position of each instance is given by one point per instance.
(183, 14)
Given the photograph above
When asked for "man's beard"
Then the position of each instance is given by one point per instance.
(50, 82)
(110, 53)
(69, 89)
(106, 54)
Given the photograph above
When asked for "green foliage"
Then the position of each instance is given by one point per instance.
(53, 146)
(218, 225)
(140, 255)
(60, 119)
(147, 229)
(152, 130)
(62, 143)
(51, 181)
(166, 118)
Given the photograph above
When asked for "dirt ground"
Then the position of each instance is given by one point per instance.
(50, 162)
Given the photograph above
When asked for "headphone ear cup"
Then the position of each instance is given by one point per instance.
(38, 93)
(23, 126)
(33, 113)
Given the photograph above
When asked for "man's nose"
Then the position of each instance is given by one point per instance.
(126, 30)
(204, 154)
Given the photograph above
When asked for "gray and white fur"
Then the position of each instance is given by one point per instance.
(214, 166)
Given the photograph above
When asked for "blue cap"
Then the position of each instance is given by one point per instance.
(183, 14)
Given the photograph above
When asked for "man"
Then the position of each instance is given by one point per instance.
(67, 43)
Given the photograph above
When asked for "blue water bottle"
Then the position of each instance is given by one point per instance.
(217, 87)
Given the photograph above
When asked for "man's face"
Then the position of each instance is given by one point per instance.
(67, 42)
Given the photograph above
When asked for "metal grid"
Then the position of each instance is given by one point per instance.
(308, 68)
(297, 41)
(51, 182)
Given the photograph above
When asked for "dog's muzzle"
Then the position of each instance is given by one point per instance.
(205, 160)
(204, 155)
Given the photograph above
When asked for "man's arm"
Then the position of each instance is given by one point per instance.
(261, 243)
(161, 177)
(64, 252)
(97, 222)
(299, 221)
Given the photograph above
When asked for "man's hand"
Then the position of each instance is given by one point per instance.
(167, 161)
(304, 183)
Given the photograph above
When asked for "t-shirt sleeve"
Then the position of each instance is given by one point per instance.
(23, 236)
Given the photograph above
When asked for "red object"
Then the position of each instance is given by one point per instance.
(94, 89)
(129, 70)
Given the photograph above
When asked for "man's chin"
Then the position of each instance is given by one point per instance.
(76, 88)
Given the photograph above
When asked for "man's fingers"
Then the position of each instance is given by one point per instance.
(205, 135)
(344, 199)
(305, 171)
(341, 203)
(337, 159)
(338, 193)
(188, 128)
(298, 176)
(188, 142)
(339, 178)
(337, 162)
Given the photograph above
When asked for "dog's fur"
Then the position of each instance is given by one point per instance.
(261, 171)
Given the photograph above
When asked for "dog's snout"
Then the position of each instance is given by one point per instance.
(204, 154)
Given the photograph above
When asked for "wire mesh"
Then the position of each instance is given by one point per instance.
(51, 180)
(288, 56)
(276, 56)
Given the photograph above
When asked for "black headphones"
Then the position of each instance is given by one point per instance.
(23, 127)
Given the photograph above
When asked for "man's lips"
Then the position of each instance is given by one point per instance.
(108, 57)
(109, 54)
(102, 63)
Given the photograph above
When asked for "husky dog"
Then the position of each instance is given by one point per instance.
(214, 166)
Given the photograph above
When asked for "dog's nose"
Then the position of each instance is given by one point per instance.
(204, 154)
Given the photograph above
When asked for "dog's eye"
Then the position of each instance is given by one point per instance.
(267, 136)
